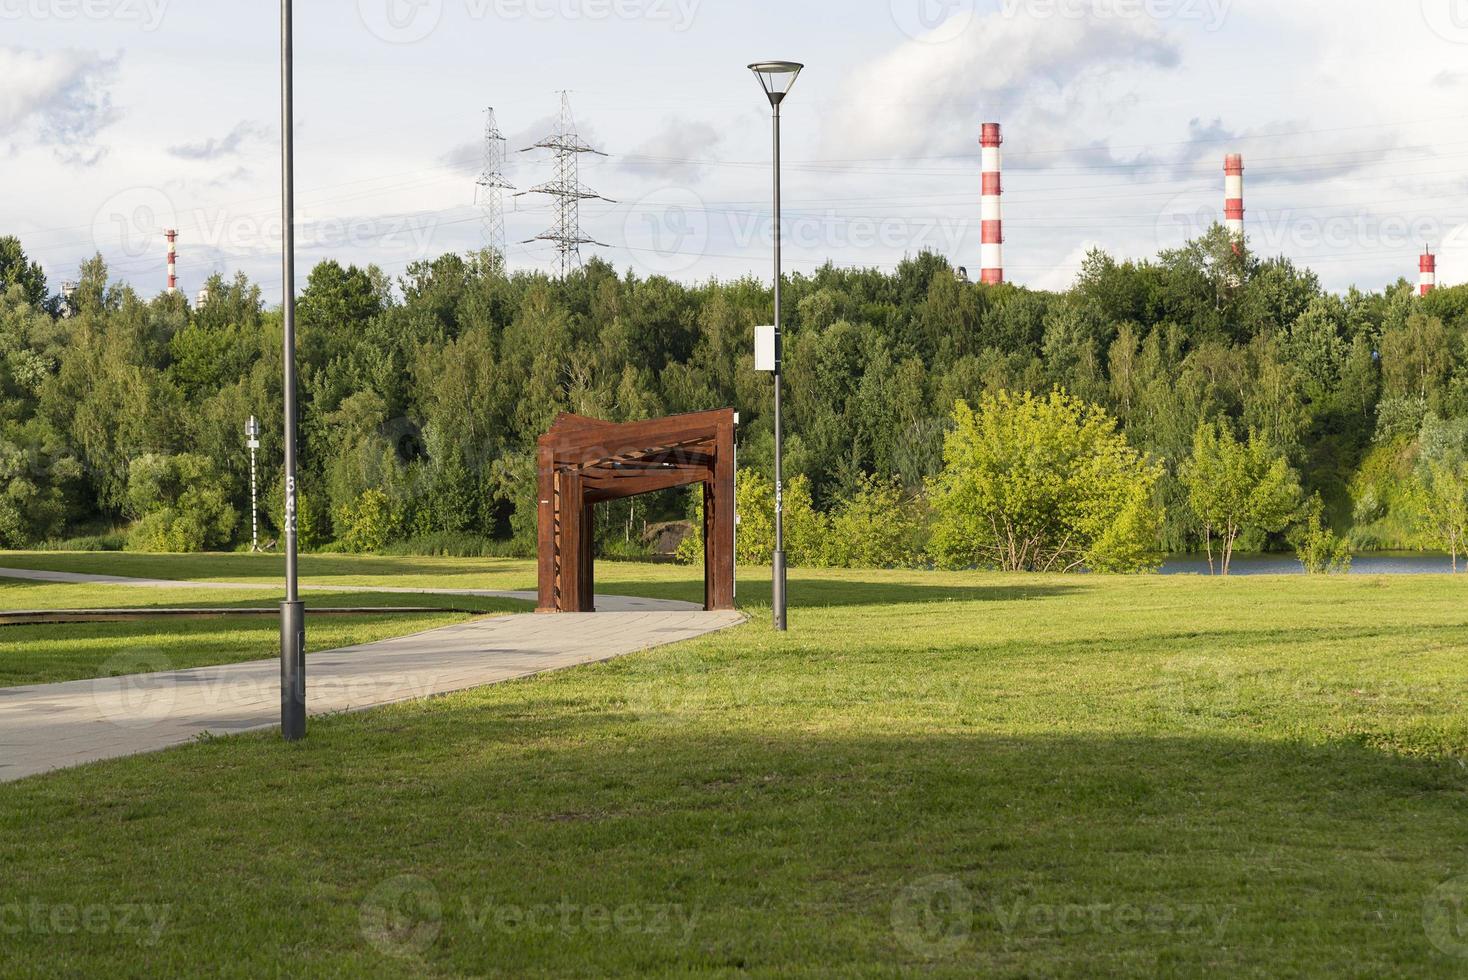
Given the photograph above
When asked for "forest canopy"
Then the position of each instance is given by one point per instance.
(122, 416)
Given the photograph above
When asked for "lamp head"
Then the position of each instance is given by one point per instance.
(776, 78)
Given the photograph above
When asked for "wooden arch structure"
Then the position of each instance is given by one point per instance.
(583, 462)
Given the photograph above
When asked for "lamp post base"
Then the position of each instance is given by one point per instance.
(293, 670)
(779, 590)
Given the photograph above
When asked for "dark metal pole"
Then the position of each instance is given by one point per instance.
(778, 586)
(292, 610)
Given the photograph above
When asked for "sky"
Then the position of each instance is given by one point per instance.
(121, 118)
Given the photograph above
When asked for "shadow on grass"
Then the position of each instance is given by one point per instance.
(795, 852)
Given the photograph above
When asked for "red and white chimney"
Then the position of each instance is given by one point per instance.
(1426, 272)
(1233, 196)
(172, 237)
(991, 210)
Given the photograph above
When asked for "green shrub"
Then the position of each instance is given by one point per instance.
(369, 523)
(456, 545)
(111, 541)
(880, 526)
(806, 530)
(32, 507)
(1320, 549)
(313, 522)
(181, 504)
(618, 549)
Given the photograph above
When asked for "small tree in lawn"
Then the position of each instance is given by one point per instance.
(1320, 550)
(1235, 486)
(1043, 483)
(1440, 497)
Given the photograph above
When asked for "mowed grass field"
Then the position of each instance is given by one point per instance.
(45, 653)
(360, 571)
(947, 774)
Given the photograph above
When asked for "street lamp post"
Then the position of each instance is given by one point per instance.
(252, 442)
(777, 78)
(292, 610)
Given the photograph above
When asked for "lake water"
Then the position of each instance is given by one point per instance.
(1375, 563)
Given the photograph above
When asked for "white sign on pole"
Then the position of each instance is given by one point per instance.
(764, 348)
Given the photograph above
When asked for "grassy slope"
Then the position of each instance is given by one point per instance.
(1277, 757)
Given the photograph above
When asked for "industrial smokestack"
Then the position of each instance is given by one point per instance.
(172, 237)
(1426, 272)
(991, 210)
(1233, 196)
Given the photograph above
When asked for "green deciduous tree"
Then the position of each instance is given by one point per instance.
(1235, 486)
(1043, 483)
(1439, 496)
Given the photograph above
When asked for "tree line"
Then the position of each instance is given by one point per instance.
(121, 416)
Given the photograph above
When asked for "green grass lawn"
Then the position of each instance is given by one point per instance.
(73, 651)
(950, 774)
(365, 571)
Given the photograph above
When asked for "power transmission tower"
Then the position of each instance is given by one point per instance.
(490, 183)
(566, 188)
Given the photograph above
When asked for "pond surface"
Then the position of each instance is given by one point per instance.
(1372, 563)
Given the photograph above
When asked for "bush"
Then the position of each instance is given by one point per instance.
(617, 549)
(32, 507)
(806, 530)
(181, 504)
(111, 541)
(880, 526)
(1320, 549)
(313, 521)
(368, 523)
(456, 545)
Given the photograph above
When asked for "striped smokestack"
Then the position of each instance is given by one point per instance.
(991, 211)
(1426, 272)
(172, 237)
(1233, 196)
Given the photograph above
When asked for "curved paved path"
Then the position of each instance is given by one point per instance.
(49, 726)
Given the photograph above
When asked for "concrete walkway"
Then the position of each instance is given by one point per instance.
(49, 726)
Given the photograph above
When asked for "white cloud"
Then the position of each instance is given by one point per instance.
(1042, 74)
(217, 147)
(678, 151)
(59, 99)
(1063, 274)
